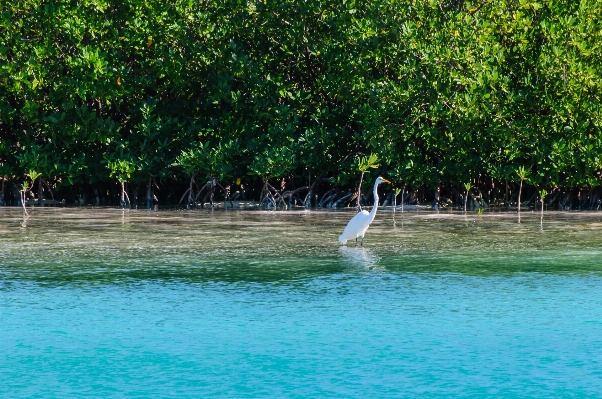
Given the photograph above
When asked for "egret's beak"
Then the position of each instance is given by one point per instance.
(386, 181)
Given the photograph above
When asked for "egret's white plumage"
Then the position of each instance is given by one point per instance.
(358, 224)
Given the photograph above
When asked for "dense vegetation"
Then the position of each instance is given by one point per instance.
(170, 95)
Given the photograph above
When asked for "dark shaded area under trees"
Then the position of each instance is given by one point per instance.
(165, 99)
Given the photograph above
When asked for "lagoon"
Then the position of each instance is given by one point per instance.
(104, 302)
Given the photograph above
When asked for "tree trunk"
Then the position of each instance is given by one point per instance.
(40, 192)
(191, 196)
(506, 202)
(2, 193)
(402, 197)
(136, 190)
(51, 193)
(23, 200)
(520, 188)
(266, 195)
(149, 198)
(359, 193)
(124, 197)
(122, 194)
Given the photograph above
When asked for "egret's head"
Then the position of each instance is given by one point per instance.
(382, 180)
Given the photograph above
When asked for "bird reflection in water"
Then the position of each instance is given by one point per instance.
(360, 258)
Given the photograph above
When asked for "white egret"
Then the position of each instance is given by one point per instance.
(358, 224)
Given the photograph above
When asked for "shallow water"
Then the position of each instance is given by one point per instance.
(100, 302)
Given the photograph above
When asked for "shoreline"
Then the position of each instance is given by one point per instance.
(250, 206)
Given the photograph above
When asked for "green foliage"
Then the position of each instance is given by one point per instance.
(272, 163)
(365, 163)
(214, 161)
(33, 175)
(522, 173)
(434, 92)
(121, 169)
(542, 194)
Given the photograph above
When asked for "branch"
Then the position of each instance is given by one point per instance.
(289, 193)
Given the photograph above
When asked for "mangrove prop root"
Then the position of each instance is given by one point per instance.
(184, 195)
(50, 190)
(198, 195)
(340, 200)
(226, 195)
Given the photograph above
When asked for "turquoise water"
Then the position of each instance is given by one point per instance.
(105, 303)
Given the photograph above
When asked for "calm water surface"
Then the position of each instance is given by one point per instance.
(105, 303)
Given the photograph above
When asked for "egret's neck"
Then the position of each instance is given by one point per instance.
(373, 211)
